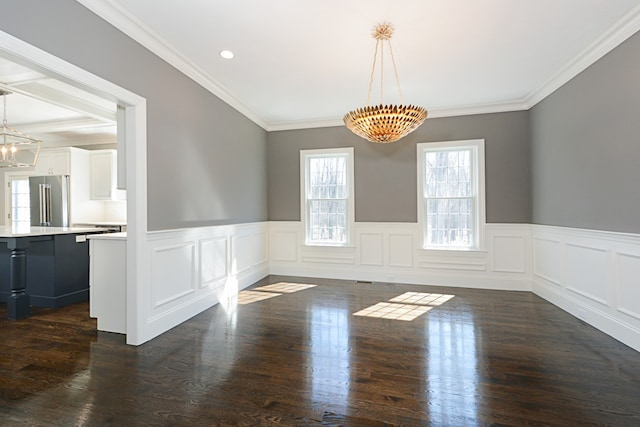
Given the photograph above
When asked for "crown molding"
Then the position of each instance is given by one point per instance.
(433, 113)
(117, 16)
(624, 28)
(469, 110)
(305, 124)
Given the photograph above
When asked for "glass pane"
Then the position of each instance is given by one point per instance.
(328, 221)
(448, 174)
(449, 222)
(328, 177)
(20, 203)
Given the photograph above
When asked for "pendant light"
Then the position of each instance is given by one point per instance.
(17, 150)
(384, 123)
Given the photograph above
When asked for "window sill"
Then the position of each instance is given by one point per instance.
(326, 245)
(453, 250)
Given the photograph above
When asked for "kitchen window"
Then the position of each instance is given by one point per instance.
(327, 207)
(451, 194)
(17, 201)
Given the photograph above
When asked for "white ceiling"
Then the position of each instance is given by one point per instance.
(306, 63)
(53, 111)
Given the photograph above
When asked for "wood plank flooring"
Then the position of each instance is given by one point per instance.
(304, 359)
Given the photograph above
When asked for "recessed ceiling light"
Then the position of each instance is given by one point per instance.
(226, 54)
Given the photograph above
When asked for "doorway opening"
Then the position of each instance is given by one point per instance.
(132, 158)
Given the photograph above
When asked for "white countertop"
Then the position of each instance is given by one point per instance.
(108, 236)
(26, 231)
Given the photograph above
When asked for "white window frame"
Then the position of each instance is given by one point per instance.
(478, 188)
(8, 199)
(305, 155)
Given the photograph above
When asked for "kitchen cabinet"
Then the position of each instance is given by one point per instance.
(53, 162)
(104, 176)
(108, 280)
(43, 267)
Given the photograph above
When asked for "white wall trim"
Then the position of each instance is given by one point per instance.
(389, 252)
(135, 145)
(591, 274)
(196, 268)
(626, 26)
(119, 18)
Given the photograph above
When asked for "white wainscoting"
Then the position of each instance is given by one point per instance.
(593, 275)
(194, 269)
(388, 252)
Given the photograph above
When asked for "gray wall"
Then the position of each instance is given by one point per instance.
(206, 162)
(385, 174)
(585, 147)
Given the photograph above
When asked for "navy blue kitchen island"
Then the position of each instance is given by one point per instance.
(43, 267)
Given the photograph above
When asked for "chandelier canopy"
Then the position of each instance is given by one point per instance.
(17, 150)
(384, 123)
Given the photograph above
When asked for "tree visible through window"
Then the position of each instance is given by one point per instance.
(451, 193)
(327, 195)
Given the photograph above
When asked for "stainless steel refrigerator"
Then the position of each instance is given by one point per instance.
(49, 198)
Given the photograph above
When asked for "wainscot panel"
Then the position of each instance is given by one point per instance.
(389, 252)
(194, 269)
(214, 258)
(172, 272)
(627, 273)
(600, 280)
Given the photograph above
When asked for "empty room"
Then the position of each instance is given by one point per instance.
(336, 213)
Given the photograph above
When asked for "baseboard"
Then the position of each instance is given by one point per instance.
(610, 325)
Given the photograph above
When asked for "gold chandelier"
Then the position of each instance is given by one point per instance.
(384, 123)
(17, 150)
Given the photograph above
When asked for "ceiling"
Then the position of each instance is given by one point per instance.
(305, 64)
(57, 113)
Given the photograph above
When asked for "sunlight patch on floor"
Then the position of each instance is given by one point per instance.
(389, 310)
(422, 298)
(270, 291)
(248, 297)
(284, 287)
(407, 306)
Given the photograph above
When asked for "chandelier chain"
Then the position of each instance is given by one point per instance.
(373, 71)
(380, 48)
(395, 72)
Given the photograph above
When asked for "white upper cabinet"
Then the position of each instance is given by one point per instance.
(53, 162)
(104, 176)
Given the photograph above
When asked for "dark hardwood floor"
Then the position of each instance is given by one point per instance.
(304, 358)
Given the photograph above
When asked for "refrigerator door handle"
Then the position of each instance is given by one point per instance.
(45, 204)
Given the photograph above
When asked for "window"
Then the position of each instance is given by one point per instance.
(16, 199)
(327, 195)
(20, 204)
(451, 194)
